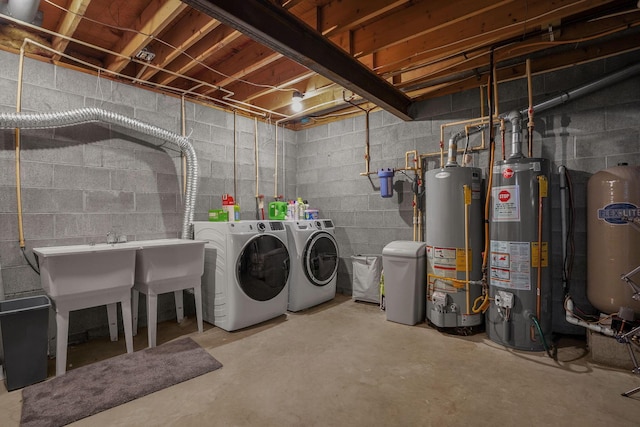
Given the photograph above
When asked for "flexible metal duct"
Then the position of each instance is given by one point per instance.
(86, 115)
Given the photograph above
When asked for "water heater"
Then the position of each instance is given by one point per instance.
(613, 245)
(519, 272)
(453, 199)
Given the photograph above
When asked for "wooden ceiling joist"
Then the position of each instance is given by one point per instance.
(157, 15)
(273, 27)
(68, 26)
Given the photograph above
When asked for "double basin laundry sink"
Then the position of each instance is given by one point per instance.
(90, 275)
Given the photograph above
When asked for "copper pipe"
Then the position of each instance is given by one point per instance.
(256, 155)
(503, 130)
(495, 91)
(530, 110)
(235, 161)
(275, 175)
(17, 149)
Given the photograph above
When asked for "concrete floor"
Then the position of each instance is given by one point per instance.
(343, 364)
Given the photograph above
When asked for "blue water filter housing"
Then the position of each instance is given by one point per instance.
(386, 182)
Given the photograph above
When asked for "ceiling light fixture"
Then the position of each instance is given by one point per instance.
(145, 55)
(296, 101)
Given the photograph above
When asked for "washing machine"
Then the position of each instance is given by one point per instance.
(246, 272)
(314, 262)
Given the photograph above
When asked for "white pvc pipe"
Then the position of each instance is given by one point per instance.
(571, 318)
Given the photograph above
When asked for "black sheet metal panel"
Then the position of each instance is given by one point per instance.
(273, 27)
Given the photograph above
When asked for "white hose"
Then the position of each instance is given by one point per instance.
(86, 115)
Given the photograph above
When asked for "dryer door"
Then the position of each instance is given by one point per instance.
(320, 258)
(263, 267)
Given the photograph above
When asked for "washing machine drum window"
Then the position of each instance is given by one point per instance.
(263, 267)
(320, 259)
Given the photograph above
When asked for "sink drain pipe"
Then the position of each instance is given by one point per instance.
(88, 115)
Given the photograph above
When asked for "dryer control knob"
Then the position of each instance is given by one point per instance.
(318, 225)
(261, 226)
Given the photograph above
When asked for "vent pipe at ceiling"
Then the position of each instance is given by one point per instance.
(563, 98)
(24, 10)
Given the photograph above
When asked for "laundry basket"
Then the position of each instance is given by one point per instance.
(366, 277)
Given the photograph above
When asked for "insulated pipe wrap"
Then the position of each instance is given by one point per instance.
(86, 115)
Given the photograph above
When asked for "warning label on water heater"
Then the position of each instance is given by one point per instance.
(511, 265)
(506, 203)
(443, 261)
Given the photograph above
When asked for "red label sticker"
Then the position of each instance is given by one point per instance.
(507, 173)
(504, 196)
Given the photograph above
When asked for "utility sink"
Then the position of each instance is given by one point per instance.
(168, 259)
(70, 274)
(167, 265)
(83, 276)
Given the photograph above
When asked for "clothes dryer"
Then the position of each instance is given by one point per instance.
(246, 272)
(314, 262)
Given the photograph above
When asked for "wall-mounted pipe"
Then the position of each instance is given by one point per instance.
(563, 98)
(87, 115)
(235, 155)
(562, 171)
(588, 88)
(275, 173)
(530, 124)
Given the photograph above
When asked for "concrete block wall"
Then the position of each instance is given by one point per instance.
(587, 135)
(83, 181)
(80, 182)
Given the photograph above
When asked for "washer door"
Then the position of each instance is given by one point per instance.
(262, 269)
(320, 258)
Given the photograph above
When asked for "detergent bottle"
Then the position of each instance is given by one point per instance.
(300, 208)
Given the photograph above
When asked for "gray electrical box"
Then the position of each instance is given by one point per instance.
(404, 265)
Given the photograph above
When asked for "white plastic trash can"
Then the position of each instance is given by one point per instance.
(404, 264)
(366, 277)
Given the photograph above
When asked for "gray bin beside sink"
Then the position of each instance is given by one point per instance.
(24, 324)
(404, 264)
